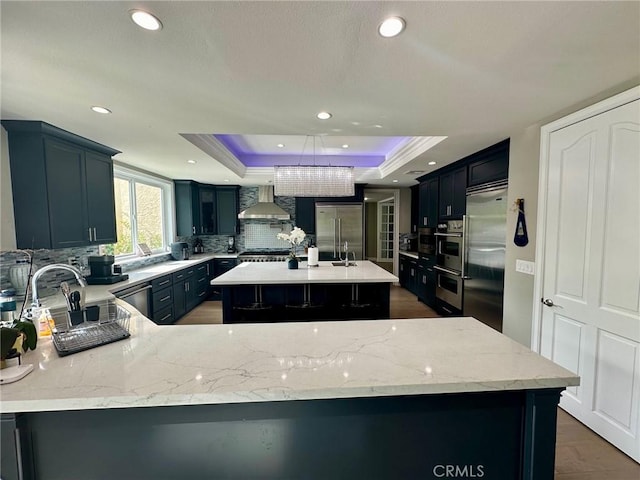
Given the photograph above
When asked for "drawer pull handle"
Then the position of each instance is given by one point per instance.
(164, 299)
(201, 294)
(163, 283)
(165, 317)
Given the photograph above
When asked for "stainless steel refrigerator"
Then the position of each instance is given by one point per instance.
(336, 224)
(485, 231)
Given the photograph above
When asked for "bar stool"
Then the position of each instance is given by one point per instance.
(256, 312)
(357, 309)
(307, 310)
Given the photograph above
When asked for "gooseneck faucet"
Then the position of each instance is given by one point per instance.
(54, 266)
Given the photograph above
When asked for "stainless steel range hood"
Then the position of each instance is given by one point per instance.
(265, 208)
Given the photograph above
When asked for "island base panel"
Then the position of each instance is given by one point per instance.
(314, 302)
(500, 436)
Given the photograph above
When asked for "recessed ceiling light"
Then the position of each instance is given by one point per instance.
(280, 145)
(191, 161)
(145, 20)
(391, 27)
(394, 181)
(431, 163)
(366, 198)
(226, 179)
(99, 109)
(345, 146)
(324, 115)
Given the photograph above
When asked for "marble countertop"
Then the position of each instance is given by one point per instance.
(98, 293)
(276, 273)
(217, 364)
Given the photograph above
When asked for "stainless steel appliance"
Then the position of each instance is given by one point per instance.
(450, 264)
(337, 224)
(231, 244)
(138, 296)
(450, 245)
(485, 245)
(426, 241)
(264, 256)
(102, 271)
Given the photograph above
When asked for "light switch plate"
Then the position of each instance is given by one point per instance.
(523, 266)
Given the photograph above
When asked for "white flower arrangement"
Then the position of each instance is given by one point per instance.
(295, 238)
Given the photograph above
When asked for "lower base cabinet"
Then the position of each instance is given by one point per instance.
(176, 294)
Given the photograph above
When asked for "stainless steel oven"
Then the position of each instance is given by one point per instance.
(450, 253)
(426, 241)
(450, 245)
(449, 287)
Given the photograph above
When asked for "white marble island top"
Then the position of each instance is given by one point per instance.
(217, 364)
(276, 273)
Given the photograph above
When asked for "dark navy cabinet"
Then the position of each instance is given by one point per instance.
(453, 190)
(208, 210)
(306, 214)
(415, 208)
(227, 205)
(203, 209)
(428, 203)
(62, 187)
(490, 165)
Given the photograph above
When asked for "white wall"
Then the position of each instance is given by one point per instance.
(404, 211)
(7, 223)
(524, 160)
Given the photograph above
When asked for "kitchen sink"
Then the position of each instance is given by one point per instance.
(341, 264)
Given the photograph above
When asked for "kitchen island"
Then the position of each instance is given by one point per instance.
(384, 399)
(269, 292)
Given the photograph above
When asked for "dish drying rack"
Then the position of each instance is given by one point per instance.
(90, 334)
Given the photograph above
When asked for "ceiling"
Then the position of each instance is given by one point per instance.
(461, 77)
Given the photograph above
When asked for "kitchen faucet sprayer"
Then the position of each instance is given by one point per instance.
(35, 301)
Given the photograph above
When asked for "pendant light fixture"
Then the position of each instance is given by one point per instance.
(313, 180)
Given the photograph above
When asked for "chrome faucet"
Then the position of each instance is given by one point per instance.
(346, 254)
(35, 301)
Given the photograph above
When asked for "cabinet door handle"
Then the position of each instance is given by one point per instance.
(95, 235)
(424, 221)
(90, 239)
(194, 229)
(164, 299)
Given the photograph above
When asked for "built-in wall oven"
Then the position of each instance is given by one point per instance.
(449, 266)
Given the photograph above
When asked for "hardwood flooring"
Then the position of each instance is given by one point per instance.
(580, 453)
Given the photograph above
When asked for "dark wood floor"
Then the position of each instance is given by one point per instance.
(580, 453)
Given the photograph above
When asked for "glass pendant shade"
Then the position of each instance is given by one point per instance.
(314, 181)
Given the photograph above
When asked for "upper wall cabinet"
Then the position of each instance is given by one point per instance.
(62, 187)
(206, 209)
(453, 191)
(227, 205)
(490, 165)
(428, 203)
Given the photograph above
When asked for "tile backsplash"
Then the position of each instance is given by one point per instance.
(254, 234)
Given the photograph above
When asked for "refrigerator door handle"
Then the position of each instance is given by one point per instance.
(334, 238)
(465, 241)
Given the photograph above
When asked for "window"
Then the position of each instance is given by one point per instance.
(143, 212)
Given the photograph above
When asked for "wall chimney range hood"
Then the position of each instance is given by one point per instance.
(265, 208)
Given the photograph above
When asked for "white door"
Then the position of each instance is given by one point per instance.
(386, 221)
(589, 321)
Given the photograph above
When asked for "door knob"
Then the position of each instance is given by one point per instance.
(549, 303)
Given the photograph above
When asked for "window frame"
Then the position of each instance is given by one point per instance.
(167, 198)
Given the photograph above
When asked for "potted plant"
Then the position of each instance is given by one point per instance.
(295, 238)
(21, 336)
